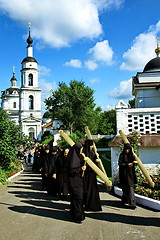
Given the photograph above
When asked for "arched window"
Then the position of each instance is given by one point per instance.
(30, 102)
(30, 79)
(14, 105)
(31, 132)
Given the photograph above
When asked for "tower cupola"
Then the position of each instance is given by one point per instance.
(154, 64)
(13, 79)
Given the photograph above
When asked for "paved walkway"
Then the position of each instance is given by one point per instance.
(28, 213)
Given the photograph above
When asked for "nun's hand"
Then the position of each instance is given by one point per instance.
(84, 168)
(130, 164)
(54, 176)
(83, 155)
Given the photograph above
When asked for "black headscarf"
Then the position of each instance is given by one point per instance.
(126, 158)
(74, 159)
(86, 149)
(127, 175)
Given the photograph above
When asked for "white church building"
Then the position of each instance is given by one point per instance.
(144, 118)
(23, 104)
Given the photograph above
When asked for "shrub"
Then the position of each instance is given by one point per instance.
(102, 143)
(142, 187)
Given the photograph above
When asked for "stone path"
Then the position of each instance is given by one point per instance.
(28, 213)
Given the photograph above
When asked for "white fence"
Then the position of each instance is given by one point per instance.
(102, 136)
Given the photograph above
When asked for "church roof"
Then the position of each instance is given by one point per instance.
(29, 59)
(48, 125)
(153, 64)
(10, 90)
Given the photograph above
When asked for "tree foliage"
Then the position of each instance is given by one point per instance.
(132, 103)
(11, 137)
(74, 106)
(107, 123)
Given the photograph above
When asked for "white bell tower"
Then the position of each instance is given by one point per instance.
(30, 117)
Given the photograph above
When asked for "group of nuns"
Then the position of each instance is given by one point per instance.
(64, 174)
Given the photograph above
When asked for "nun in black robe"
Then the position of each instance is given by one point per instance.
(91, 192)
(127, 175)
(62, 175)
(74, 163)
(50, 170)
(44, 167)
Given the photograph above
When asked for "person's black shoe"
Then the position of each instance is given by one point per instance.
(132, 207)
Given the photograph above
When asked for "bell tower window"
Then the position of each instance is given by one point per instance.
(30, 79)
(14, 105)
(30, 102)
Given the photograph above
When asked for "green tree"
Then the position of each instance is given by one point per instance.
(11, 137)
(132, 103)
(73, 105)
(107, 123)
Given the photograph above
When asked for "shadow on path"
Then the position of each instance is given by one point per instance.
(38, 202)
(131, 220)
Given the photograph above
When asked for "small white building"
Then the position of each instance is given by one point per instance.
(144, 118)
(24, 104)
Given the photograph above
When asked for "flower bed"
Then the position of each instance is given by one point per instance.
(142, 187)
(13, 173)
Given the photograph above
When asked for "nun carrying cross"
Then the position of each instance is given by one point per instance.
(74, 163)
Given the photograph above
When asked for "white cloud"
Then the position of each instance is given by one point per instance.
(142, 50)
(46, 88)
(123, 91)
(101, 53)
(108, 107)
(93, 81)
(76, 63)
(44, 71)
(101, 4)
(59, 23)
(91, 65)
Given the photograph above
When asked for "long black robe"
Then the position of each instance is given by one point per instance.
(50, 169)
(127, 175)
(74, 163)
(62, 175)
(91, 192)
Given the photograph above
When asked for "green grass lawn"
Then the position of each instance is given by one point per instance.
(106, 163)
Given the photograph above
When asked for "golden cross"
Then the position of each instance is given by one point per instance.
(157, 38)
(13, 69)
(29, 25)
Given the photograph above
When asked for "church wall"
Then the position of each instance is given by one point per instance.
(36, 126)
(25, 99)
(149, 156)
(11, 104)
(143, 120)
(25, 78)
(122, 120)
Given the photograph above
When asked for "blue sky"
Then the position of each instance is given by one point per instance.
(101, 42)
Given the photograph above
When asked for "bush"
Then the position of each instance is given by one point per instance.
(76, 137)
(11, 137)
(142, 187)
(3, 176)
(46, 135)
(103, 142)
(14, 167)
